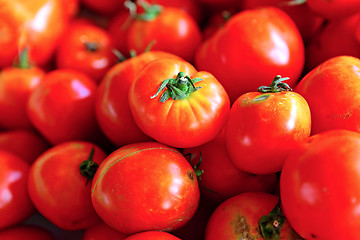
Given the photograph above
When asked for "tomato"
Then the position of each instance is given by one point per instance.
(60, 183)
(332, 92)
(102, 231)
(321, 180)
(62, 107)
(28, 232)
(254, 45)
(158, 190)
(26, 144)
(265, 126)
(220, 179)
(181, 118)
(15, 203)
(152, 235)
(238, 218)
(112, 105)
(87, 48)
(104, 7)
(168, 29)
(334, 9)
(217, 21)
(31, 24)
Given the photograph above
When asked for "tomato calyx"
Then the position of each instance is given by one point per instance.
(271, 224)
(178, 88)
(276, 85)
(91, 46)
(22, 61)
(150, 11)
(88, 167)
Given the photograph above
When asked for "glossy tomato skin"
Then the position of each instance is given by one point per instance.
(57, 188)
(152, 235)
(112, 105)
(102, 231)
(62, 107)
(173, 30)
(238, 216)
(254, 45)
(187, 122)
(332, 103)
(263, 128)
(328, 194)
(87, 48)
(15, 203)
(158, 190)
(16, 85)
(28, 232)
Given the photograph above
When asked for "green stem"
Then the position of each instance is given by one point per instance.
(270, 225)
(23, 59)
(151, 11)
(276, 85)
(88, 167)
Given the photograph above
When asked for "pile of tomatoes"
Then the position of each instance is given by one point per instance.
(191, 119)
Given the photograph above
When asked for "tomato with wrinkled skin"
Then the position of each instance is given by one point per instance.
(102, 231)
(59, 190)
(145, 186)
(15, 203)
(332, 92)
(265, 126)
(238, 217)
(28, 232)
(112, 105)
(319, 186)
(188, 118)
(253, 46)
(152, 235)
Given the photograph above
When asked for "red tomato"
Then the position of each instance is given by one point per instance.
(104, 7)
(16, 84)
(220, 178)
(322, 180)
(62, 107)
(254, 45)
(112, 105)
(181, 118)
(87, 48)
(152, 235)
(158, 190)
(265, 126)
(60, 183)
(334, 9)
(15, 203)
(238, 218)
(102, 231)
(31, 24)
(28, 232)
(217, 21)
(169, 29)
(332, 92)
(26, 144)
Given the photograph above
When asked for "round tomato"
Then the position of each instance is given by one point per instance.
(177, 105)
(145, 186)
(265, 126)
(102, 231)
(15, 203)
(332, 92)
(254, 45)
(60, 183)
(152, 235)
(320, 186)
(28, 232)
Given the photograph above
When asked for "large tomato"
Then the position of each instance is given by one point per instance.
(332, 92)
(253, 46)
(320, 186)
(60, 183)
(177, 105)
(265, 126)
(145, 186)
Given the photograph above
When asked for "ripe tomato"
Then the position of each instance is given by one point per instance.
(220, 179)
(169, 29)
(158, 190)
(112, 105)
(62, 107)
(102, 231)
(217, 21)
(238, 218)
(26, 144)
(265, 126)
(28, 232)
(334, 9)
(104, 7)
(87, 48)
(181, 118)
(15, 203)
(254, 45)
(322, 180)
(60, 183)
(152, 235)
(332, 92)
